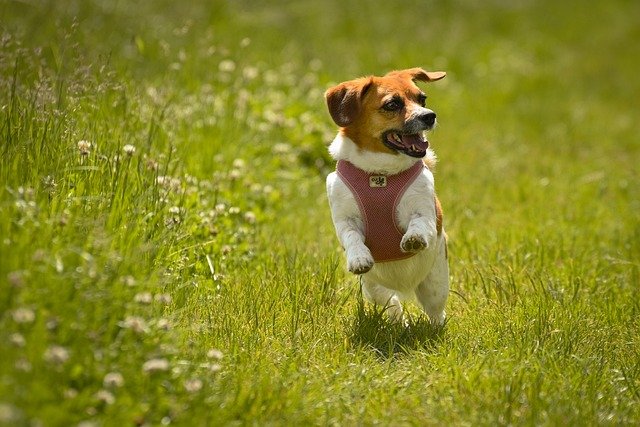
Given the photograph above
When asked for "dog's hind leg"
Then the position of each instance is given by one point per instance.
(385, 297)
(433, 291)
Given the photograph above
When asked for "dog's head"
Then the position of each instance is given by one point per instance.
(385, 114)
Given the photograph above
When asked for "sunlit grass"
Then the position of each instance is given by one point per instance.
(166, 251)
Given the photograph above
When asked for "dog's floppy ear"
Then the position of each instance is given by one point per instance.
(344, 100)
(419, 74)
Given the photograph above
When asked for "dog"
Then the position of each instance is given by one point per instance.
(382, 198)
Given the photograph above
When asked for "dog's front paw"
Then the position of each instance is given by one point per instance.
(413, 243)
(360, 264)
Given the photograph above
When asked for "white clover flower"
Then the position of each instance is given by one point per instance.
(227, 66)
(23, 365)
(23, 315)
(143, 298)
(17, 340)
(9, 414)
(235, 174)
(16, 278)
(129, 149)
(105, 397)
(84, 147)
(250, 73)
(56, 355)
(128, 280)
(135, 323)
(175, 210)
(193, 385)
(70, 393)
(281, 148)
(113, 380)
(250, 217)
(214, 353)
(155, 365)
(164, 324)
(163, 298)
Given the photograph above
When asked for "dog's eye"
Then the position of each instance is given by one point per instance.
(422, 99)
(393, 104)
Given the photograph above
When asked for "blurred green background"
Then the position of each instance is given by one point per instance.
(211, 237)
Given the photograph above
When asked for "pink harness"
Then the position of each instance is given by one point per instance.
(378, 197)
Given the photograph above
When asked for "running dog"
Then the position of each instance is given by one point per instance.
(382, 196)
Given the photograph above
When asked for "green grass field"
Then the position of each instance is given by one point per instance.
(166, 250)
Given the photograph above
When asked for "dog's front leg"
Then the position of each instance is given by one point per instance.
(420, 233)
(359, 259)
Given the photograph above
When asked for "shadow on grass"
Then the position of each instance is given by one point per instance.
(371, 328)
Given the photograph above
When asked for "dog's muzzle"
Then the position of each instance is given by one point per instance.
(410, 139)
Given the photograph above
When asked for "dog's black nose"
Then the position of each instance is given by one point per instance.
(429, 118)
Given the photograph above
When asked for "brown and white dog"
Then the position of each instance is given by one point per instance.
(382, 197)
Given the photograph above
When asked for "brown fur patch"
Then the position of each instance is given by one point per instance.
(438, 215)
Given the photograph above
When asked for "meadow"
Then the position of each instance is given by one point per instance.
(167, 255)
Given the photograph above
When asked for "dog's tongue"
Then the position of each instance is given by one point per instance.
(415, 144)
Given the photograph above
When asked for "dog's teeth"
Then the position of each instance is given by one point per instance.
(413, 147)
(397, 138)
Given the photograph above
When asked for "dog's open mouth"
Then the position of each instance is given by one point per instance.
(414, 145)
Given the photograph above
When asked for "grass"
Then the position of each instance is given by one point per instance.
(167, 255)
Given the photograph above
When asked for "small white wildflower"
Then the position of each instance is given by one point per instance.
(193, 385)
(163, 298)
(250, 73)
(17, 340)
(155, 365)
(214, 353)
(56, 355)
(227, 66)
(49, 183)
(84, 147)
(214, 367)
(135, 323)
(151, 164)
(250, 217)
(239, 163)
(281, 148)
(105, 397)
(9, 414)
(128, 280)
(235, 174)
(234, 210)
(16, 278)
(245, 42)
(164, 324)
(113, 380)
(70, 393)
(143, 298)
(169, 182)
(23, 315)
(129, 149)
(23, 365)
(220, 208)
